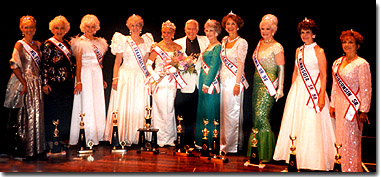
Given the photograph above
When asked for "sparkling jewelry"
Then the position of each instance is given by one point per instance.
(230, 41)
(270, 40)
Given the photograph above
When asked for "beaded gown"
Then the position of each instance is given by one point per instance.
(91, 100)
(30, 116)
(232, 106)
(208, 106)
(315, 135)
(57, 71)
(357, 76)
(131, 95)
(263, 103)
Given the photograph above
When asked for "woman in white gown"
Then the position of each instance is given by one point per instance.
(164, 93)
(306, 118)
(129, 96)
(233, 55)
(89, 87)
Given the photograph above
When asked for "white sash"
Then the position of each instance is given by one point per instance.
(138, 55)
(30, 51)
(180, 82)
(354, 102)
(233, 68)
(97, 53)
(271, 86)
(308, 82)
(61, 47)
(215, 84)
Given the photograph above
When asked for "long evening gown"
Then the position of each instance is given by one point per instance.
(232, 106)
(30, 116)
(91, 100)
(315, 136)
(263, 103)
(208, 106)
(131, 95)
(357, 76)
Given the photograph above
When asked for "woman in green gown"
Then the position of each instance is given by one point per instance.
(208, 97)
(268, 57)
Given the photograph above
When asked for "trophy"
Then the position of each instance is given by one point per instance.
(337, 165)
(115, 135)
(205, 143)
(292, 166)
(82, 138)
(254, 158)
(144, 145)
(56, 148)
(180, 136)
(216, 140)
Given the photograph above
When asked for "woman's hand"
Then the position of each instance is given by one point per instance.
(205, 89)
(114, 84)
(24, 89)
(321, 102)
(46, 89)
(78, 88)
(104, 84)
(236, 89)
(332, 112)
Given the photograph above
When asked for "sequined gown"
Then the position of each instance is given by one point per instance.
(357, 76)
(208, 106)
(315, 134)
(263, 103)
(131, 95)
(232, 106)
(91, 100)
(57, 71)
(30, 117)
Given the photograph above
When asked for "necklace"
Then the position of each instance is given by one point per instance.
(30, 43)
(230, 41)
(270, 40)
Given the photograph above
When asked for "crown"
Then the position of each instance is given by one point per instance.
(168, 24)
(231, 13)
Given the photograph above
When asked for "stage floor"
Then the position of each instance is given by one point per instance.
(103, 160)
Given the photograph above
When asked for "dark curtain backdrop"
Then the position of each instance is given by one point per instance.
(331, 18)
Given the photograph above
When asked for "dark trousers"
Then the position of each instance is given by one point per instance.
(186, 106)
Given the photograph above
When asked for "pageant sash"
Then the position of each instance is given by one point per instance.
(215, 84)
(31, 52)
(97, 53)
(271, 86)
(138, 55)
(180, 82)
(62, 47)
(349, 94)
(308, 82)
(231, 66)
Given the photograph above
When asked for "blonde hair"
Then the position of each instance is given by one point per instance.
(26, 19)
(57, 20)
(270, 20)
(89, 19)
(135, 18)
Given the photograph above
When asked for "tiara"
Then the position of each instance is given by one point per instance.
(27, 18)
(231, 13)
(306, 20)
(168, 24)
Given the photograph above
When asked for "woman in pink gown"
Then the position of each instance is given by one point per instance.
(351, 73)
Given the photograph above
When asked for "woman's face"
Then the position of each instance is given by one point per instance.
(167, 33)
(210, 33)
(90, 29)
(307, 36)
(28, 29)
(349, 44)
(135, 27)
(266, 31)
(231, 26)
(59, 30)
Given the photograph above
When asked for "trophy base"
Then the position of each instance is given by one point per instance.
(337, 167)
(292, 167)
(220, 159)
(183, 154)
(119, 151)
(247, 163)
(87, 151)
(50, 154)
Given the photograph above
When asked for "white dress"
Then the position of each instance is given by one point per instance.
(91, 100)
(131, 95)
(232, 106)
(163, 110)
(315, 135)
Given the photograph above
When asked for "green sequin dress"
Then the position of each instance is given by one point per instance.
(208, 104)
(263, 103)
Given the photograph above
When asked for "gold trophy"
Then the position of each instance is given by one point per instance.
(148, 118)
(56, 148)
(337, 165)
(254, 158)
(180, 136)
(82, 138)
(292, 166)
(216, 140)
(145, 145)
(205, 142)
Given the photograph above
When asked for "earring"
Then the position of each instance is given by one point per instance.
(237, 29)
(313, 36)
(216, 34)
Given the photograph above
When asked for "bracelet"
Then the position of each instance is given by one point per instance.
(115, 78)
(77, 83)
(238, 84)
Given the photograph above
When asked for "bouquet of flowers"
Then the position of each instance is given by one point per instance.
(184, 64)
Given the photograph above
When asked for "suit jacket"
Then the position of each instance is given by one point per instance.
(192, 79)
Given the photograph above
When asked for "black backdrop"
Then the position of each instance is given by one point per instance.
(330, 18)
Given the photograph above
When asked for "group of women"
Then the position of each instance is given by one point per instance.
(45, 76)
